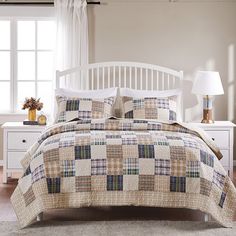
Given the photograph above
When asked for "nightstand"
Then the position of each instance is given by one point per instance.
(17, 138)
(222, 132)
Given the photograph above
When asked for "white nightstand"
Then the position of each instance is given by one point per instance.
(17, 138)
(222, 132)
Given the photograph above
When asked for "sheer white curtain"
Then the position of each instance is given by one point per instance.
(72, 36)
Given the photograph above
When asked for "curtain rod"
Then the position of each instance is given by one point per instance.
(40, 3)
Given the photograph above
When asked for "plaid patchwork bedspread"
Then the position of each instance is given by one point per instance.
(112, 162)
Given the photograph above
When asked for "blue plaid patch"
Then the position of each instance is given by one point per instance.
(146, 151)
(218, 179)
(54, 185)
(162, 167)
(207, 158)
(115, 182)
(98, 167)
(83, 152)
(38, 173)
(177, 184)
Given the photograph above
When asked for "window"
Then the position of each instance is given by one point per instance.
(26, 62)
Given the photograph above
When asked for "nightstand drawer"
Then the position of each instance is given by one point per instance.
(14, 158)
(225, 159)
(221, 137)
(21, 140)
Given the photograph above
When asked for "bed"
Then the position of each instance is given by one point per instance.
(145, 157)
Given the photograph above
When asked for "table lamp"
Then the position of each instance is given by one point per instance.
(208, 84)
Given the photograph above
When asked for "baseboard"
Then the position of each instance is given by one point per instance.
(234, 162)
(1, 162)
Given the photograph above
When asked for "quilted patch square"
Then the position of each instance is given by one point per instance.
(99, 167)
(67, 168)
(140, 113)
(131, 182)
(99, 183)
(82, 139)
(130, 151)
(54, 185)
(38, 173)
(114, 151)
(98, 106)
(205, 187)
(68, 185)
(146, 182)
(51, 155)
(163, 114)
(130, 166)
(192, 154)
(52, 169)
(67, 153)
(162, 151)
(29, 196)
(114, 166)
(193, 169)
(145, 139)
(206, 172)
(162, 167)
(83, 183)
(114, 182)
(163, 103)
(146, 151)
(82, 167)
(192, 185)
(146, 166)
(178, 168)
(151, 113)
(138, 104)
(98, 151)
(162, 183)
(85, 104)
(82, 152)
(150, 103)
(207, 158)
(177, 153)
(218, 180)
(40, 187)
(72, 105)
(177, 184)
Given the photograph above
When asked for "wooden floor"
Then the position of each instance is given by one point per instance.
(105, 213)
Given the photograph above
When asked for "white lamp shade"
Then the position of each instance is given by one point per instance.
(208, 83)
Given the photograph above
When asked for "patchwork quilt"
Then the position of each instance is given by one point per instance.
(113, 162)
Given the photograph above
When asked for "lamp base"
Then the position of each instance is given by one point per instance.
(207, 116)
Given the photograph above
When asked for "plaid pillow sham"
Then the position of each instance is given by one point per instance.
(84, 108)
(164, 108)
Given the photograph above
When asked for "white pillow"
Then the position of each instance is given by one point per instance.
(135, 93)
(100, 93)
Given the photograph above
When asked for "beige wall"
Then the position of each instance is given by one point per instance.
(185, 36)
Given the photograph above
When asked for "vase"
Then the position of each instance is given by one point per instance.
(32, 115)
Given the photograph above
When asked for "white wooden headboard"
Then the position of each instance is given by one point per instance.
(120, 74)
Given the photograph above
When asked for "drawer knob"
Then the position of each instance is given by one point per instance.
(23, 141)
